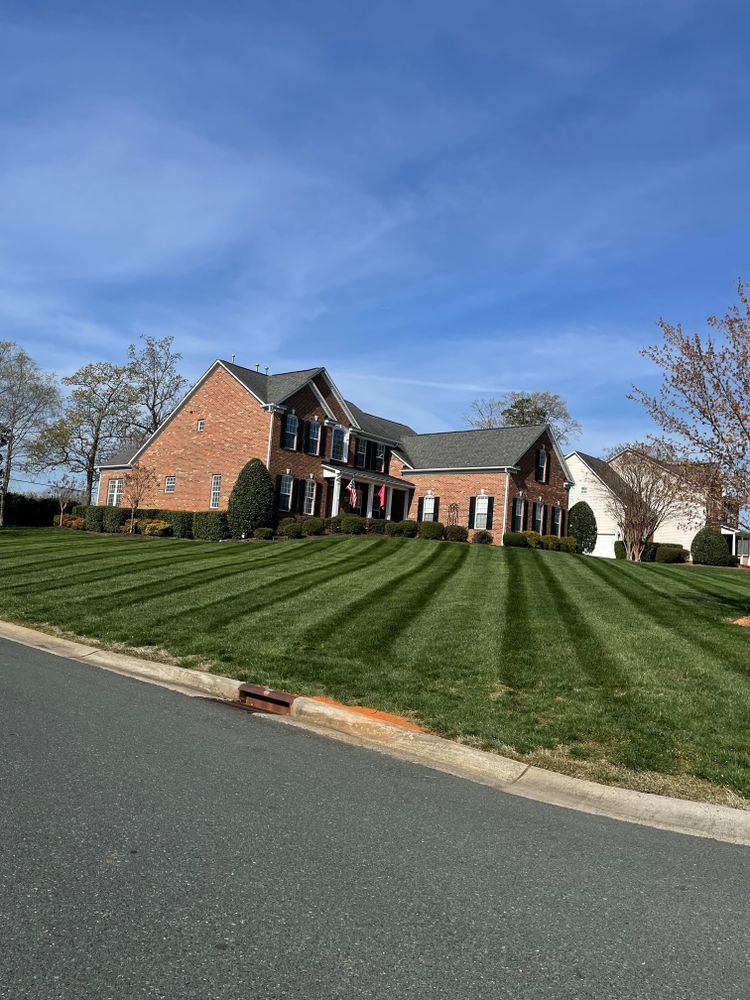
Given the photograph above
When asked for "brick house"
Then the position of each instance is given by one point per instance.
(315, 444)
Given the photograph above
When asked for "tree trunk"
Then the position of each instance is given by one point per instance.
(6, 479)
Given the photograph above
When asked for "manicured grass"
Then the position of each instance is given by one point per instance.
(593, 667)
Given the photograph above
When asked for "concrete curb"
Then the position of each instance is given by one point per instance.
(697, 819)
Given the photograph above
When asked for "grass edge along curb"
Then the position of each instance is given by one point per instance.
(699, 819)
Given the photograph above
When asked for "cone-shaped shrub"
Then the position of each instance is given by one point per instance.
(251, 500)
(582, 526)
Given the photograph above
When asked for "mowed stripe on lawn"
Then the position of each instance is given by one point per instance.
(638, 666)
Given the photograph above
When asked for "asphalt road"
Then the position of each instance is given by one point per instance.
(159, 846)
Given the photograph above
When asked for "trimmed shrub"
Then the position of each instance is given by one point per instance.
(710, 549)
(94, 518)
(671, 554)
(551, 542)
(181, 522)
(64, 521)
(533, 539)
(620, 551)
(456, 533)
(155, 528)
(482, 537)
(433, 530)
(24, 511)
(582, 526)
(251, 501)
(333, 524)
(114, 518)
(293, 530)
(79, 509)
(568, 544)
(515, 540)
(408, 528)
(375, 526)
(284, 522)
(77, 524)
(264, 534)
(313, 526)
(352, 524)
(393, 528)
(210, 525)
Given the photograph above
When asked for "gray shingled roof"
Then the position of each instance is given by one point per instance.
(615, 483)
(379, 427)
(271, 388)
(498, 447)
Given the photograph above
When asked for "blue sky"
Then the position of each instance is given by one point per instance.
(436, 201)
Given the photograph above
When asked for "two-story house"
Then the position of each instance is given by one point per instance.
(327, 456)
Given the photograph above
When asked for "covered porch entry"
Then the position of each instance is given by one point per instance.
(368, 486)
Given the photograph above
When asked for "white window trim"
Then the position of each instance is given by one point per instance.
(170, 480)
(482, 515)
(361, 453)
(380, 458)
(538, 504)
(545, 466)
(428, 508)
(200, 424)
(295, 418)
(316, 425)
(309, 496)
(215, 497)
(286, 476)
(519, 501)
(345, 443)
(114, 492)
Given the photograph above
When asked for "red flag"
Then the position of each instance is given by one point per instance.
(381, 496)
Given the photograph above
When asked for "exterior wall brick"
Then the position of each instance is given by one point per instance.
(236, 430)
(550, 494)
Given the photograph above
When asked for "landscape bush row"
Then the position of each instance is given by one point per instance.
(533, 540)
(708, 548)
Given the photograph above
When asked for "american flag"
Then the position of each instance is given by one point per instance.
(351, 489)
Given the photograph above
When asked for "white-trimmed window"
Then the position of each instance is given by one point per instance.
(286, 485)
(291, 427)
(360, 459)
(114, 492)
(169, 484)
(200, 424)
(215, 491)
(542, 465)
(308, 506)
(428, 508)
(481, 509)
(538, 524)
(338, 444)
(380, 458)
(557, 520)
(517, 519)
(313, 437)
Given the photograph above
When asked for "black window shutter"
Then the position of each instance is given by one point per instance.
(301, 485)
(370, 455)
(283, 429)
(318, 498)
(544, 518)
(302, 432)
(420, 508)
(490, 508)
(525, 520)
(322, 446)
(278, 492)
(546, 467)
(435, 516)
(472, 508)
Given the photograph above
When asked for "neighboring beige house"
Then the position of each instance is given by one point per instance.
(596, 480)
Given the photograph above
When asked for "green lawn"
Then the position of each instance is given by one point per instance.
(620, 672)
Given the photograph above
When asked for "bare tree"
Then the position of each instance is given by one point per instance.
(652, 490)
(28, 400)
(703, 403)
(524, 409)
(159, 385)
(66, 491)
(98, 415)
(137, 483)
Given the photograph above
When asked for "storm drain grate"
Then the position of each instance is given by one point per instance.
(263, 699)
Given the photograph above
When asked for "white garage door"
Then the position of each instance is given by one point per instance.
(605, 546)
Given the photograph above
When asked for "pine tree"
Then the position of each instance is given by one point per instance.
(251, 500)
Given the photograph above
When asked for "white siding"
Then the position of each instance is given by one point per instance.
(590, 488)
(683, 529)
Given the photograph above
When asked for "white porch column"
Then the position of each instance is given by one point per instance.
(336, 501)
(388, 498)
(370, 494)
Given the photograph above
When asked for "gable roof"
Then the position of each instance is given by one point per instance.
(604, 471)
(379, 427)
(271, 388)
(494, 448)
